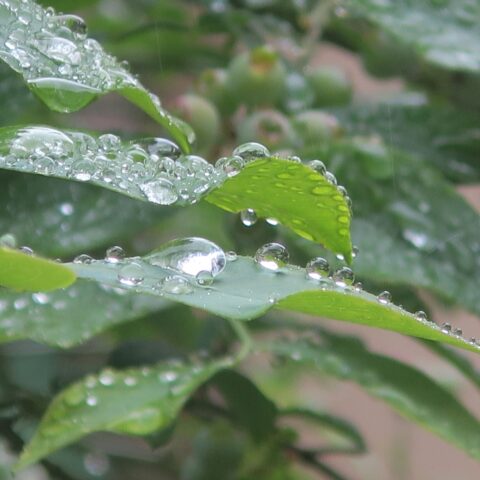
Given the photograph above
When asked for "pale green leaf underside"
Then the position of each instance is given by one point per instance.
(445, 33)
(134, 401)
(67, 70)
(20, 271)
(314, 208)
(244, 290)
(407, 390)
(66, 317)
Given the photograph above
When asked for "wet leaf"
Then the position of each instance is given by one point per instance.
(66, 69)
(314, 208)
(68, 317)
(22, 271)
(407, 390)
(245, 290)
(412, 228)
(445, 136)
(444, 33)
(134, 401)
(57, 218)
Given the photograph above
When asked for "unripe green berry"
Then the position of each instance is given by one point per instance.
(212, 84)
(268, 127)
(257, 77)
(203, 117)
(330, 85)
(315, 126)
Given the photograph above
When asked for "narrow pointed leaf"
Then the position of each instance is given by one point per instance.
(295, 194)
(134, 401)
(20, 271)
(444, 33)
(64, 318)
(66, 69)
(407, 390)
(245, 290)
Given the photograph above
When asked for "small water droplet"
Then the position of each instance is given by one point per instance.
(131, 275)
(83, 258)
(231, 256)
(27, 250)
(41, 298)
(107, 378)
(458, 332)
(272, 256)
(358, 287)
(384, 297)
(176, 285)
(317, 268)
(355, 251)
(130, 381)
(190, 255)
(114, 254)
(204, 278)
(318, 166)
(272, 221)
(160, 190)
(331, 178)
(248, 217)
(8, 240)
(446, 327)
(91, 401)
(66, 209)
(168, 376)
(230, 165)
(421, 315)
(251, 151)
(343, 276)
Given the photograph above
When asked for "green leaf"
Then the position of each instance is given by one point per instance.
(247, 404)
(66, 69)
(67, 317)
(69, 217)
(446, 136)
(21, 271)
(407, 390)
(296, 196)
(338, 425)
(134, 401)
(444, 33)
(412, 228)
(314, 208)
(245, 290)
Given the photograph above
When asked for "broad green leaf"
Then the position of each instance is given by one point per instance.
(66, 69)
(407, 390)
(67, 317)
(21, 271)
(446, 136)
(445, 33)
(240, 395)
(245, 290)
(347, 431)
(314, 208)
(134, 401)
(57, 218)
(412, 228)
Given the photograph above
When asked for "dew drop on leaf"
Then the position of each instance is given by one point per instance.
(176, 285)
(317, 268)
(190, 256)
(131, 275)
(114, 254)
(272, 256)
(251, 151)
(248, 217)
(384, 297)
(343, 276)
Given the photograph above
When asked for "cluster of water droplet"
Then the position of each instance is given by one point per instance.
(52, 50)
(180, 265)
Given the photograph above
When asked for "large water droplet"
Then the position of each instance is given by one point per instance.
(272, 256)
(190, 256)
(248, 217)
(8, 240)
(160, 190)
(114, 254)
(343, 276)
(317, 268)
(251, 151)
(131, 275)
(421, 315)
(231, 166)
(318, 166)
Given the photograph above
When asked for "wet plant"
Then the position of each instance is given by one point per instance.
(147, 271)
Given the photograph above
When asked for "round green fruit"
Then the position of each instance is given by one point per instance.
(257, 77)
(268, 127)
(212, 84)
(315, 126)
(202, 116)
(330, 85)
